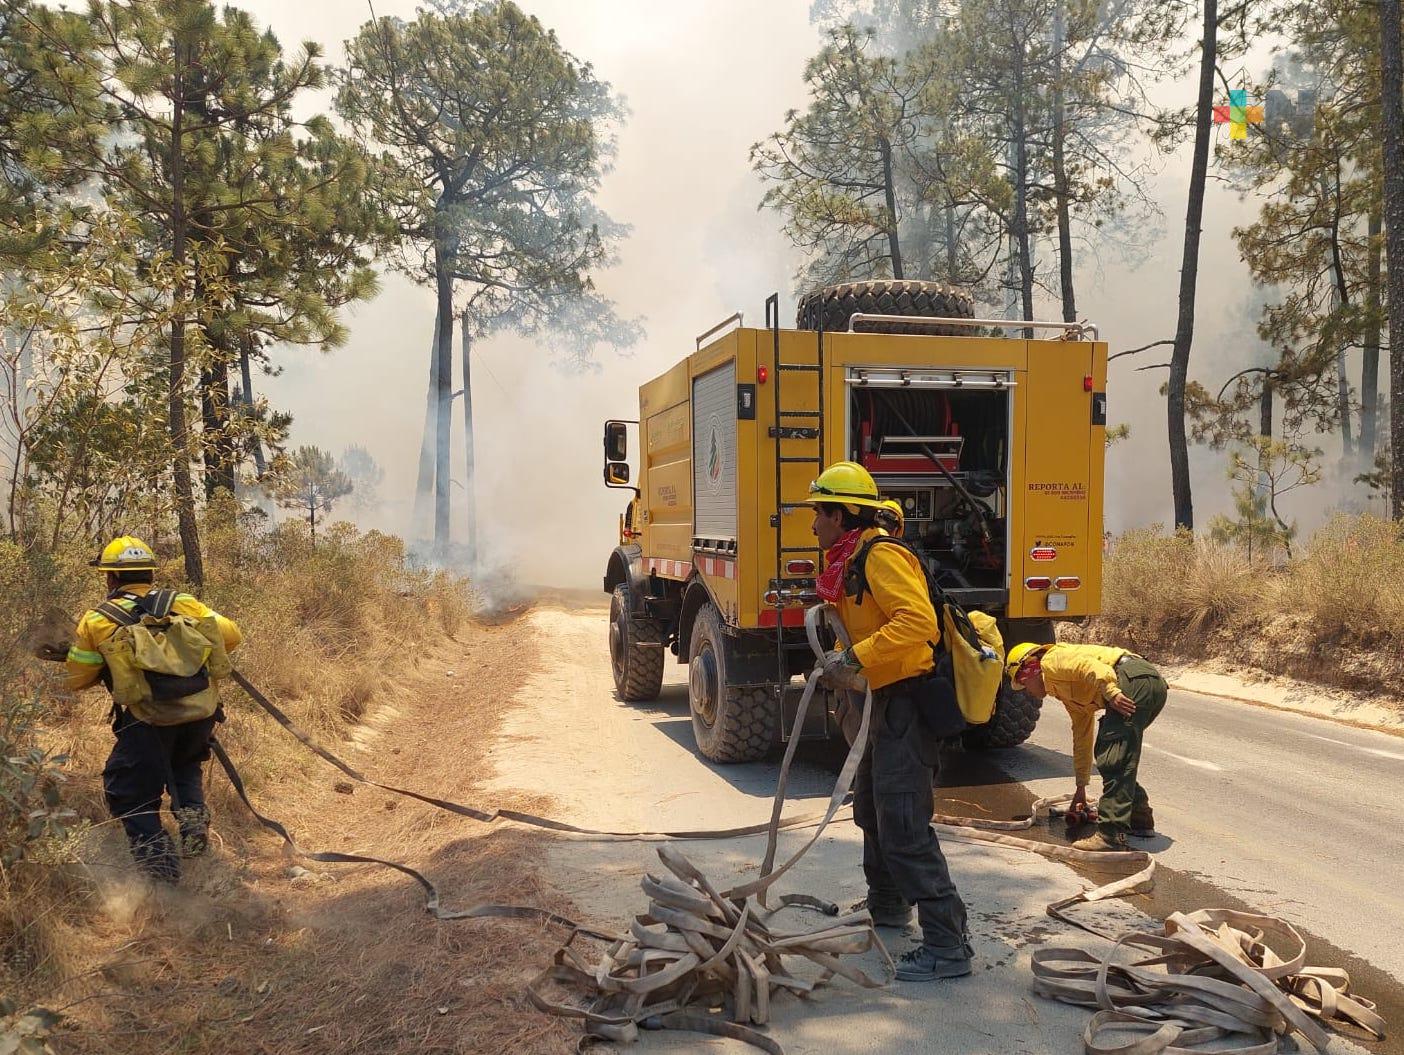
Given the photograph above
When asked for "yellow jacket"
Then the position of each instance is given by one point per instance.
(85, 663)
(894, 625)
(1083, 677)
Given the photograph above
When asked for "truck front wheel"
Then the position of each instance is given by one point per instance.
(1015, 715)
(635, 649)
(731, 723)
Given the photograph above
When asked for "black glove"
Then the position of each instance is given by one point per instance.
(51, 653)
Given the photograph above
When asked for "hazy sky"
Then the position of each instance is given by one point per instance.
(703, 81)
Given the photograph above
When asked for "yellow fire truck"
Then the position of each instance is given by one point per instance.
(993, 445)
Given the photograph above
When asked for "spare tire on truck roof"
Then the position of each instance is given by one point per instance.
(833, 306)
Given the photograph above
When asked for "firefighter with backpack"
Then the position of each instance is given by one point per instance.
(160, 653)
(886, 607)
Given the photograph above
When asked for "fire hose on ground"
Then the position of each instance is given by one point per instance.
(697, 948)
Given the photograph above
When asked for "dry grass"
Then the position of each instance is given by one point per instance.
(240, 958)
(1334, 614)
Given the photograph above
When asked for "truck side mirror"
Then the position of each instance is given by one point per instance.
(616, 442)
(616, 474)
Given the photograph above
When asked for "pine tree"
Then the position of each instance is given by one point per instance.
(311, 483)
(495, 138)
(248, 219)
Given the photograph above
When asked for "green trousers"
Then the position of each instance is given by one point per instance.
(1118, 747)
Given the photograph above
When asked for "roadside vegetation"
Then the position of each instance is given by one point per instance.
(1333, 613)
(330, 630)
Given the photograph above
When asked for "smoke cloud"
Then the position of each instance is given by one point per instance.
(703, 82)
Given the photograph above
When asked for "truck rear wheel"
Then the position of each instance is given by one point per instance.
(635, 649)
(833, 306)
(730, 723)
(1015, 715)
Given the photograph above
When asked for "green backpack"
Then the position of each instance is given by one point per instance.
(164, 665)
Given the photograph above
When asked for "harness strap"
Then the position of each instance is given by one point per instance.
(119, 615)
(155, 603)
(940, 600)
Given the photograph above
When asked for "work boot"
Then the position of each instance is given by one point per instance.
(1142, 822)
(1100, 842)
(925, 964)
(885, 913)
(157, 858)
(194, 830)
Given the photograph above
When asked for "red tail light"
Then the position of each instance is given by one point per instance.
(1037, 582)
(1067, 582)
(762, 374)
(799, 567)
(1043, 553)
(772, 597)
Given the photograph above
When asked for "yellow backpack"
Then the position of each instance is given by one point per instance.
(977, 658)
(971, 639)
(163, 664)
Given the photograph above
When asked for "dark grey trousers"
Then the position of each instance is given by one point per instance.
(893, 804)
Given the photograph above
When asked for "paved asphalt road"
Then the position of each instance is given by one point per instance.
(1293, 815)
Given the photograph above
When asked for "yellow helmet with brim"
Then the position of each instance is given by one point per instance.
(1015, 660)
(126, 553)
(846, 484)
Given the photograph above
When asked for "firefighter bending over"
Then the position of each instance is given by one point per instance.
(1088, 679)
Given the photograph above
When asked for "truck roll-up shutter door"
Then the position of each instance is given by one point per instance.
(714, 453)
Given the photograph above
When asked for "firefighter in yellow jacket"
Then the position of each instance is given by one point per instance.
(148, 759)
(892, 624)
(1088, 679)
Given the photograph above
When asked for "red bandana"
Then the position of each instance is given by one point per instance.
(830, 584)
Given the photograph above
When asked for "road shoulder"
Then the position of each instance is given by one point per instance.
(1380, 713)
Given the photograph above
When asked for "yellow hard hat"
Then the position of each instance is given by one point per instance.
(847, 484)
(126, 553)
(1015, 660)
(893, 509)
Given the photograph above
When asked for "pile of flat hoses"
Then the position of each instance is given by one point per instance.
(696, 949)
(1213, 980)
(699, 948)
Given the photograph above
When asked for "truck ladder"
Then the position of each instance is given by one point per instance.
(804, 424)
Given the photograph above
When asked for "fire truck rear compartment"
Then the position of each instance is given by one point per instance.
(956, 520)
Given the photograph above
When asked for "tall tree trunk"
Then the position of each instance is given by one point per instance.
(1189, 275)
(1392, 122)
(1343, 410)
(924, 226)
(1060, 173)
(220, 460)
(1370, 365)
(246, 375)
(424, 484)
(443, 389)
(889, 190)
(1021, 189)
(952, 250)
(1265, 432)
(469, 475)
(1340, 299)
(175, 376)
